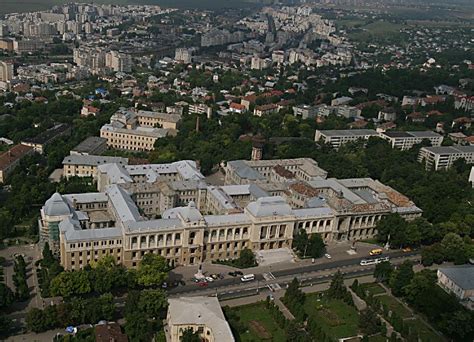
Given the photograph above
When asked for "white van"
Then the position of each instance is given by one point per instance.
(248, 277)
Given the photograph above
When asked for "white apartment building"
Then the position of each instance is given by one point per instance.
(406, 140)
(200, 108)
(443, 157)
(305, 111)
(336, 138)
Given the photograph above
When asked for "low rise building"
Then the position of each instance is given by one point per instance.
(91, 146)
(201, 314)
(406, 140)
(337, 138)
(11, 159)
(138, 130)
(265, 109)
(40, 142)
(305, 111)
(76, 165)
(458, 280)
(443, 157)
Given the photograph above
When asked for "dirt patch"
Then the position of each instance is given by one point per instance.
(260, 330)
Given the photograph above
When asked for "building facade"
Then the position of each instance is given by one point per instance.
(443, 157)
(168, 209)
(138, 130)
(336, 138)
(76, 165)
(406, 140)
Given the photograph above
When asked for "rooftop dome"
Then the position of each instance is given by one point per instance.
(56, 206)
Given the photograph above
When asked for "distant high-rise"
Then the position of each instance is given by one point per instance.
(6, 71)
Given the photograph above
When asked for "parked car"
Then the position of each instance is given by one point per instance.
(214, 276)
(239, 273)
(209, 279)
(164, 285)
(202, 283)
(233, 274)
(327, 255)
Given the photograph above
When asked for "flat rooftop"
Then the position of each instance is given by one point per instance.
(89, 144)
(348, 132)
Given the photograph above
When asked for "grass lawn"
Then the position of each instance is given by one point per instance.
(395, 306)
(425, 333)
(260, 324)
(336, 317)
(379, 29)
(372, 288)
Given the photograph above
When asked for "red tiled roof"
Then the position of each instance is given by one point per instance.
(13, 154)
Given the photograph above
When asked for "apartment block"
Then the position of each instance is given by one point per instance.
(443, 157)
(305, 111)
(406, 140)
(336, 138)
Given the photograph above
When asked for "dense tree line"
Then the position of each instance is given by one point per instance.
(106, 275)
(74, 312)
(22, 292)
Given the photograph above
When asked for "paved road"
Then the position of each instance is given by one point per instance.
(302, 272)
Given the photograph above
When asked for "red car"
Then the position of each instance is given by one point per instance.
(202, 283)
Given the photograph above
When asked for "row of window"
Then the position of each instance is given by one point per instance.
(95, 243)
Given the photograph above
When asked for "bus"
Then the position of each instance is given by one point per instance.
(247, 277)
(373, 261)
(376, 251)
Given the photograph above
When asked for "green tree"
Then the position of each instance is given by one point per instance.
(153, 270)
(392, 226)
(383, 271)
(5, 325)
(48, 258)
(432, 254)
(6, 296)
(337, 289)
(316, 246)
(369, 322)
(452, 244)
(246, 259)
(138, 328)
(152, 302)
(68, 284)
(189, 335)
(294, 299)
(459, 325)
(401, 277)
(36, 321)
